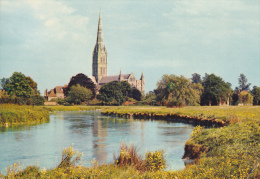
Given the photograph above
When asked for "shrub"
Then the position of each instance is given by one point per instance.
(69, 157)
(128, 156)
(154, 161)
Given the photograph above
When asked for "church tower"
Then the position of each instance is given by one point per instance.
(99, 59)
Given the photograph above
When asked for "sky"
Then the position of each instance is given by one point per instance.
(53, 40)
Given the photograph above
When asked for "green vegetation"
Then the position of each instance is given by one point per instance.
(178, 91)
(19, 89)
(11, 114)
(83, 81)
(245, 98)
(78, 94)
(256, 95)
(116, 93)
(226, 152)
(216, 91)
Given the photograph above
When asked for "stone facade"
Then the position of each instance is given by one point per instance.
(99, 65)
(99, 61)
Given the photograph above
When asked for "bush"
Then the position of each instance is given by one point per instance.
(69, 157)
(154, 160)
(128, 156)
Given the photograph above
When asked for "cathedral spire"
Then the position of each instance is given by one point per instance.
(99, 59)
(100, 42)
(142, 75)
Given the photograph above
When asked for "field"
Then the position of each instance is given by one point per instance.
(231, 151)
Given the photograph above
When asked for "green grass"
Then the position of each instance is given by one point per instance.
(11, 114)
(226, 152)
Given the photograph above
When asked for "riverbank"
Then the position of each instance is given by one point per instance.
(225, 152)
(11, 114)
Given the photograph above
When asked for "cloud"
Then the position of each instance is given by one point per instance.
(214, 20)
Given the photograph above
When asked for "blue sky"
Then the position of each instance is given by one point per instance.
(53, 40)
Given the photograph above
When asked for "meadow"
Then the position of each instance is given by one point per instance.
(231, 151)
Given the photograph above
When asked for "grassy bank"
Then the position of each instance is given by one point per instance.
(225, 114)
(226, 152)
(11, 114)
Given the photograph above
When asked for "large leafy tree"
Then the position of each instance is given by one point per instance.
(78, 94)
(215, 90)
(242, 81)
(18, 85)
(115, 92)
(256, 95)
(83, 81)
(177, 91)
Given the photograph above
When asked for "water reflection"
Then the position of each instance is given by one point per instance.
(95, 135)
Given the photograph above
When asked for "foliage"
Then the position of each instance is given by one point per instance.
(245, 98)
(154, 161)
(242, 81)
(196, 78)
(216, 91)
(11, 114)
(37, 100)
(69, 157)
(229, 152)
(32, 84)
(177, 91)
(128, 156)
(78, 94)
(150, 99)
(60, 101)
(114, 92)
(19, 85)
(83, 81)
(136, 94)
(256, 95)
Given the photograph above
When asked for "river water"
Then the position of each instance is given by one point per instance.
(97, 136)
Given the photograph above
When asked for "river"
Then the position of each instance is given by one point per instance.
(95, 135)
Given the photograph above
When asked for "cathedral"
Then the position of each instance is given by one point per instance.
(99, 71)
(99, 65)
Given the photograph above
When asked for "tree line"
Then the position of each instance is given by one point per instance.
(171, 91)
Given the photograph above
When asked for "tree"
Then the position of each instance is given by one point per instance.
(136, 94)
(4, 82)
(256, 95)
(83, 81)
(177, 91)
(37, 100)
(32, 84)
(245, 98)
(78, 94)
(196, 78)
(114, 92)
(216, 91)
(150, 99)
(242, 81)
(18, 85)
